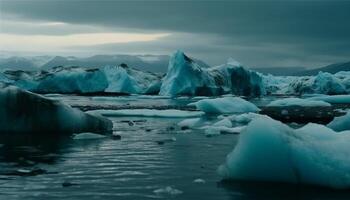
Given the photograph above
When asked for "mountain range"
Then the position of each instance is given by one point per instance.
(152, 63)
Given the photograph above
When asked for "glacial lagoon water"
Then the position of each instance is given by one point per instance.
(154, 159)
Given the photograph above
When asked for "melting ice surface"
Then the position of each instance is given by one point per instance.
(154, 159)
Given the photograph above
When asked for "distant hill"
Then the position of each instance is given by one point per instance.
(153, 63)
(279, 71)
(148, 63)
(23, 63)
(333, 68)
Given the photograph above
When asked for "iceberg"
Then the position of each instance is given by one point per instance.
(73, 80)
(120, 81)
(26, 112)
(277, 84)
(270, 151)
(186, 77)
(225, 105)
(298, 102)
(323, 83)
(341, 123)
(77, 80)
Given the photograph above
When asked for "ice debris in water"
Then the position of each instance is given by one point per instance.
(168, 191)
(225, 105)
(269, 150)
(198, 180)
(87, 136)
(298, 102)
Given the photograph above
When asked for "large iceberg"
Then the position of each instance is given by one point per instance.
(323, 83)
(271, 151)
(107, 79)
(225, 105)
(186, 77)
(25, 112)
(73, 80)
(277, 84)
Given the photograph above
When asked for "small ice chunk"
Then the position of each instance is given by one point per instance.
(224, 122)
(168, 191)
(88, 136)
(198, 180)
(225, 105)
(191, 123)
(284, 112)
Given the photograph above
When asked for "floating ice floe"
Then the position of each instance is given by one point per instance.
(26, 112)
(218, 130)
(88, 136)
(199, 180)
(171, 113)
(334, 99)
(298, 102)
(268, 150)
(225, 105)
(186, 77)
(193, 123)
(168, 191)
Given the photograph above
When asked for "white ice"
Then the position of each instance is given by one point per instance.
(225, 105)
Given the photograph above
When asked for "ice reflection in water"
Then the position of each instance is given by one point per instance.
(131, 168)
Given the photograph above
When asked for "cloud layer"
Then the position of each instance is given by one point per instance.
(258, 33)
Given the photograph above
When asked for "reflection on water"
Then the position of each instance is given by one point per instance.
(48, 167)
(263, 190)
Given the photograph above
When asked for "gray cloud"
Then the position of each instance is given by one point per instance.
(254, 32)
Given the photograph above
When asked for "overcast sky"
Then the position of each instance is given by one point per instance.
(256, 33)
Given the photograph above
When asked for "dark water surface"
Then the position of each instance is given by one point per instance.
(152, 154)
